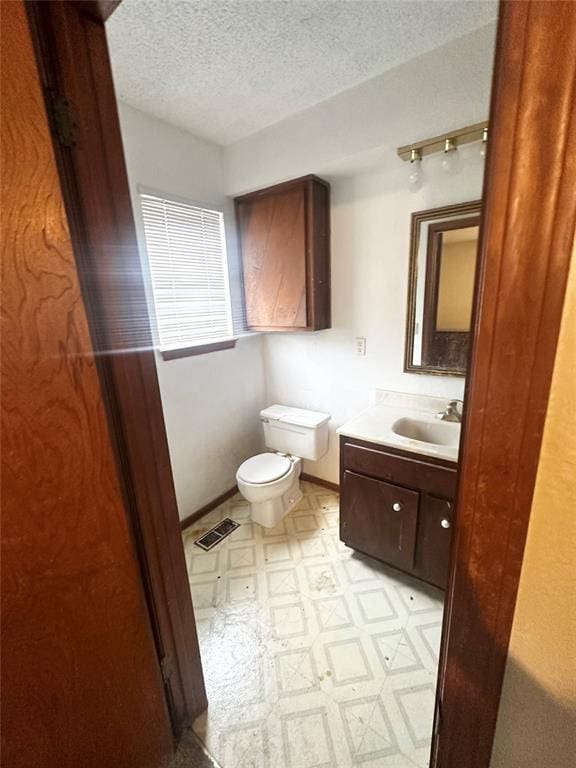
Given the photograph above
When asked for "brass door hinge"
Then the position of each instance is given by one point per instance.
(62, 117)
(167, 668)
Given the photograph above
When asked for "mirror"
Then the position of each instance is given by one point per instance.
(443, 245)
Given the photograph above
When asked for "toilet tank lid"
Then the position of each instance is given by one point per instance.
(301, 417)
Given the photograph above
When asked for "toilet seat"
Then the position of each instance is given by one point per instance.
(264, 468)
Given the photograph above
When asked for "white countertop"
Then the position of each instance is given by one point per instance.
(375, 426)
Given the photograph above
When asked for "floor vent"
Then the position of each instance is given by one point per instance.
(216, 534)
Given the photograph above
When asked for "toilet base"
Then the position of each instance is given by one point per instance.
(270, 513)
(271, 502)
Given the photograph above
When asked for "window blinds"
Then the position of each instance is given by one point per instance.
(187, 256)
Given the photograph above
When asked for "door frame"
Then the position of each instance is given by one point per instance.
(74, 66)
(526, 241)
(526, 238)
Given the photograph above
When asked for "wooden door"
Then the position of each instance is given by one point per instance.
(81, 684)
(73, 62)
(379, 519)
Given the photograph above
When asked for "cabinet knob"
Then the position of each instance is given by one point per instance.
(445, 523)
(396, 506)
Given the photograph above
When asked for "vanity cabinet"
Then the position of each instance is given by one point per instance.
(284, 240)
(397, 507)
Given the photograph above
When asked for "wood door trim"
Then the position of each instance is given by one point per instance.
(99, 10)
(527, 233)
(73, 60)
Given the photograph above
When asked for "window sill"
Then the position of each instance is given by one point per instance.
(197, 349)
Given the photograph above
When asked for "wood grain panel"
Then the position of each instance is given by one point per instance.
(525, 248)
(274, 259)
(80, 678)
(73, 53)
(284, 236)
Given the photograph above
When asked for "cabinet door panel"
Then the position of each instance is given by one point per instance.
(433, 547)
(273, 238)
(379, 519)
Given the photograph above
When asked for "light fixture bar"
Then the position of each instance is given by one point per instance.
(437, 143)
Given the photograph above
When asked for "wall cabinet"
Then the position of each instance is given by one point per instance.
(284, 239)
(397, 507)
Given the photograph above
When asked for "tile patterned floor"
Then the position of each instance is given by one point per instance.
(314, 656)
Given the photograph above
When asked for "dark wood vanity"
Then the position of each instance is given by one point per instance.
(397, 507)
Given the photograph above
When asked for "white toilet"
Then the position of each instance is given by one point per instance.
(271, 481)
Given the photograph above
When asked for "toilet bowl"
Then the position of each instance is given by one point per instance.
(271, 481)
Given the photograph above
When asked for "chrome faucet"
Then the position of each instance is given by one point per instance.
(451, 412)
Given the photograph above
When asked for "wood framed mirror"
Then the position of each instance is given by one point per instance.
(443, 248)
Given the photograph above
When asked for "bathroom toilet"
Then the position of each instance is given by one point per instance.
(271, 481)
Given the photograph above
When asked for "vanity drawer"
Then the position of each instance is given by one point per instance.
(379, 519)
(411, 472)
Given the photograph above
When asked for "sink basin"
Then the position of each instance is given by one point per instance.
(435, 432)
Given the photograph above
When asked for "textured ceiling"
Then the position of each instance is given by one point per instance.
(224, 70)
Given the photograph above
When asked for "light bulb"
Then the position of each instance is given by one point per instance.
(451, 160)
(416, 176)
(484, 144)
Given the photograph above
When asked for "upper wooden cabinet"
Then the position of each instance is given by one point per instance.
(284, 237)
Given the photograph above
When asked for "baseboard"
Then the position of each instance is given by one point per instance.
(195, 516)
(319, 481)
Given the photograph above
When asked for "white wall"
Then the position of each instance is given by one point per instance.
(447, 88)
(211, 402)
(350, 140)
(370, 243)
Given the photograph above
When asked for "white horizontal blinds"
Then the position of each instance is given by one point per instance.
(187, 256)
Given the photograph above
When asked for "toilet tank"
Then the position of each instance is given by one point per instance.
(296, 431)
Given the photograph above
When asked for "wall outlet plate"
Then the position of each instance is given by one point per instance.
(360, 345)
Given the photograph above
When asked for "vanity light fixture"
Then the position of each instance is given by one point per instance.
(484, 142)
(451, 159)
(416, 176)
(435, 144)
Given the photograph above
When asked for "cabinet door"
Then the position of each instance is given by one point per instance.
(434, 537)
(379, 519)
(272, 229)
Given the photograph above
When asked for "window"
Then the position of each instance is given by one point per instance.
(186, 248)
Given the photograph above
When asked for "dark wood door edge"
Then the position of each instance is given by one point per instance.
(526, 241)
(100, 10)
(73, 60)
(320, 481)
(195, 516)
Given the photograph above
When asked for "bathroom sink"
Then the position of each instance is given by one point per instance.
(435, 432)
